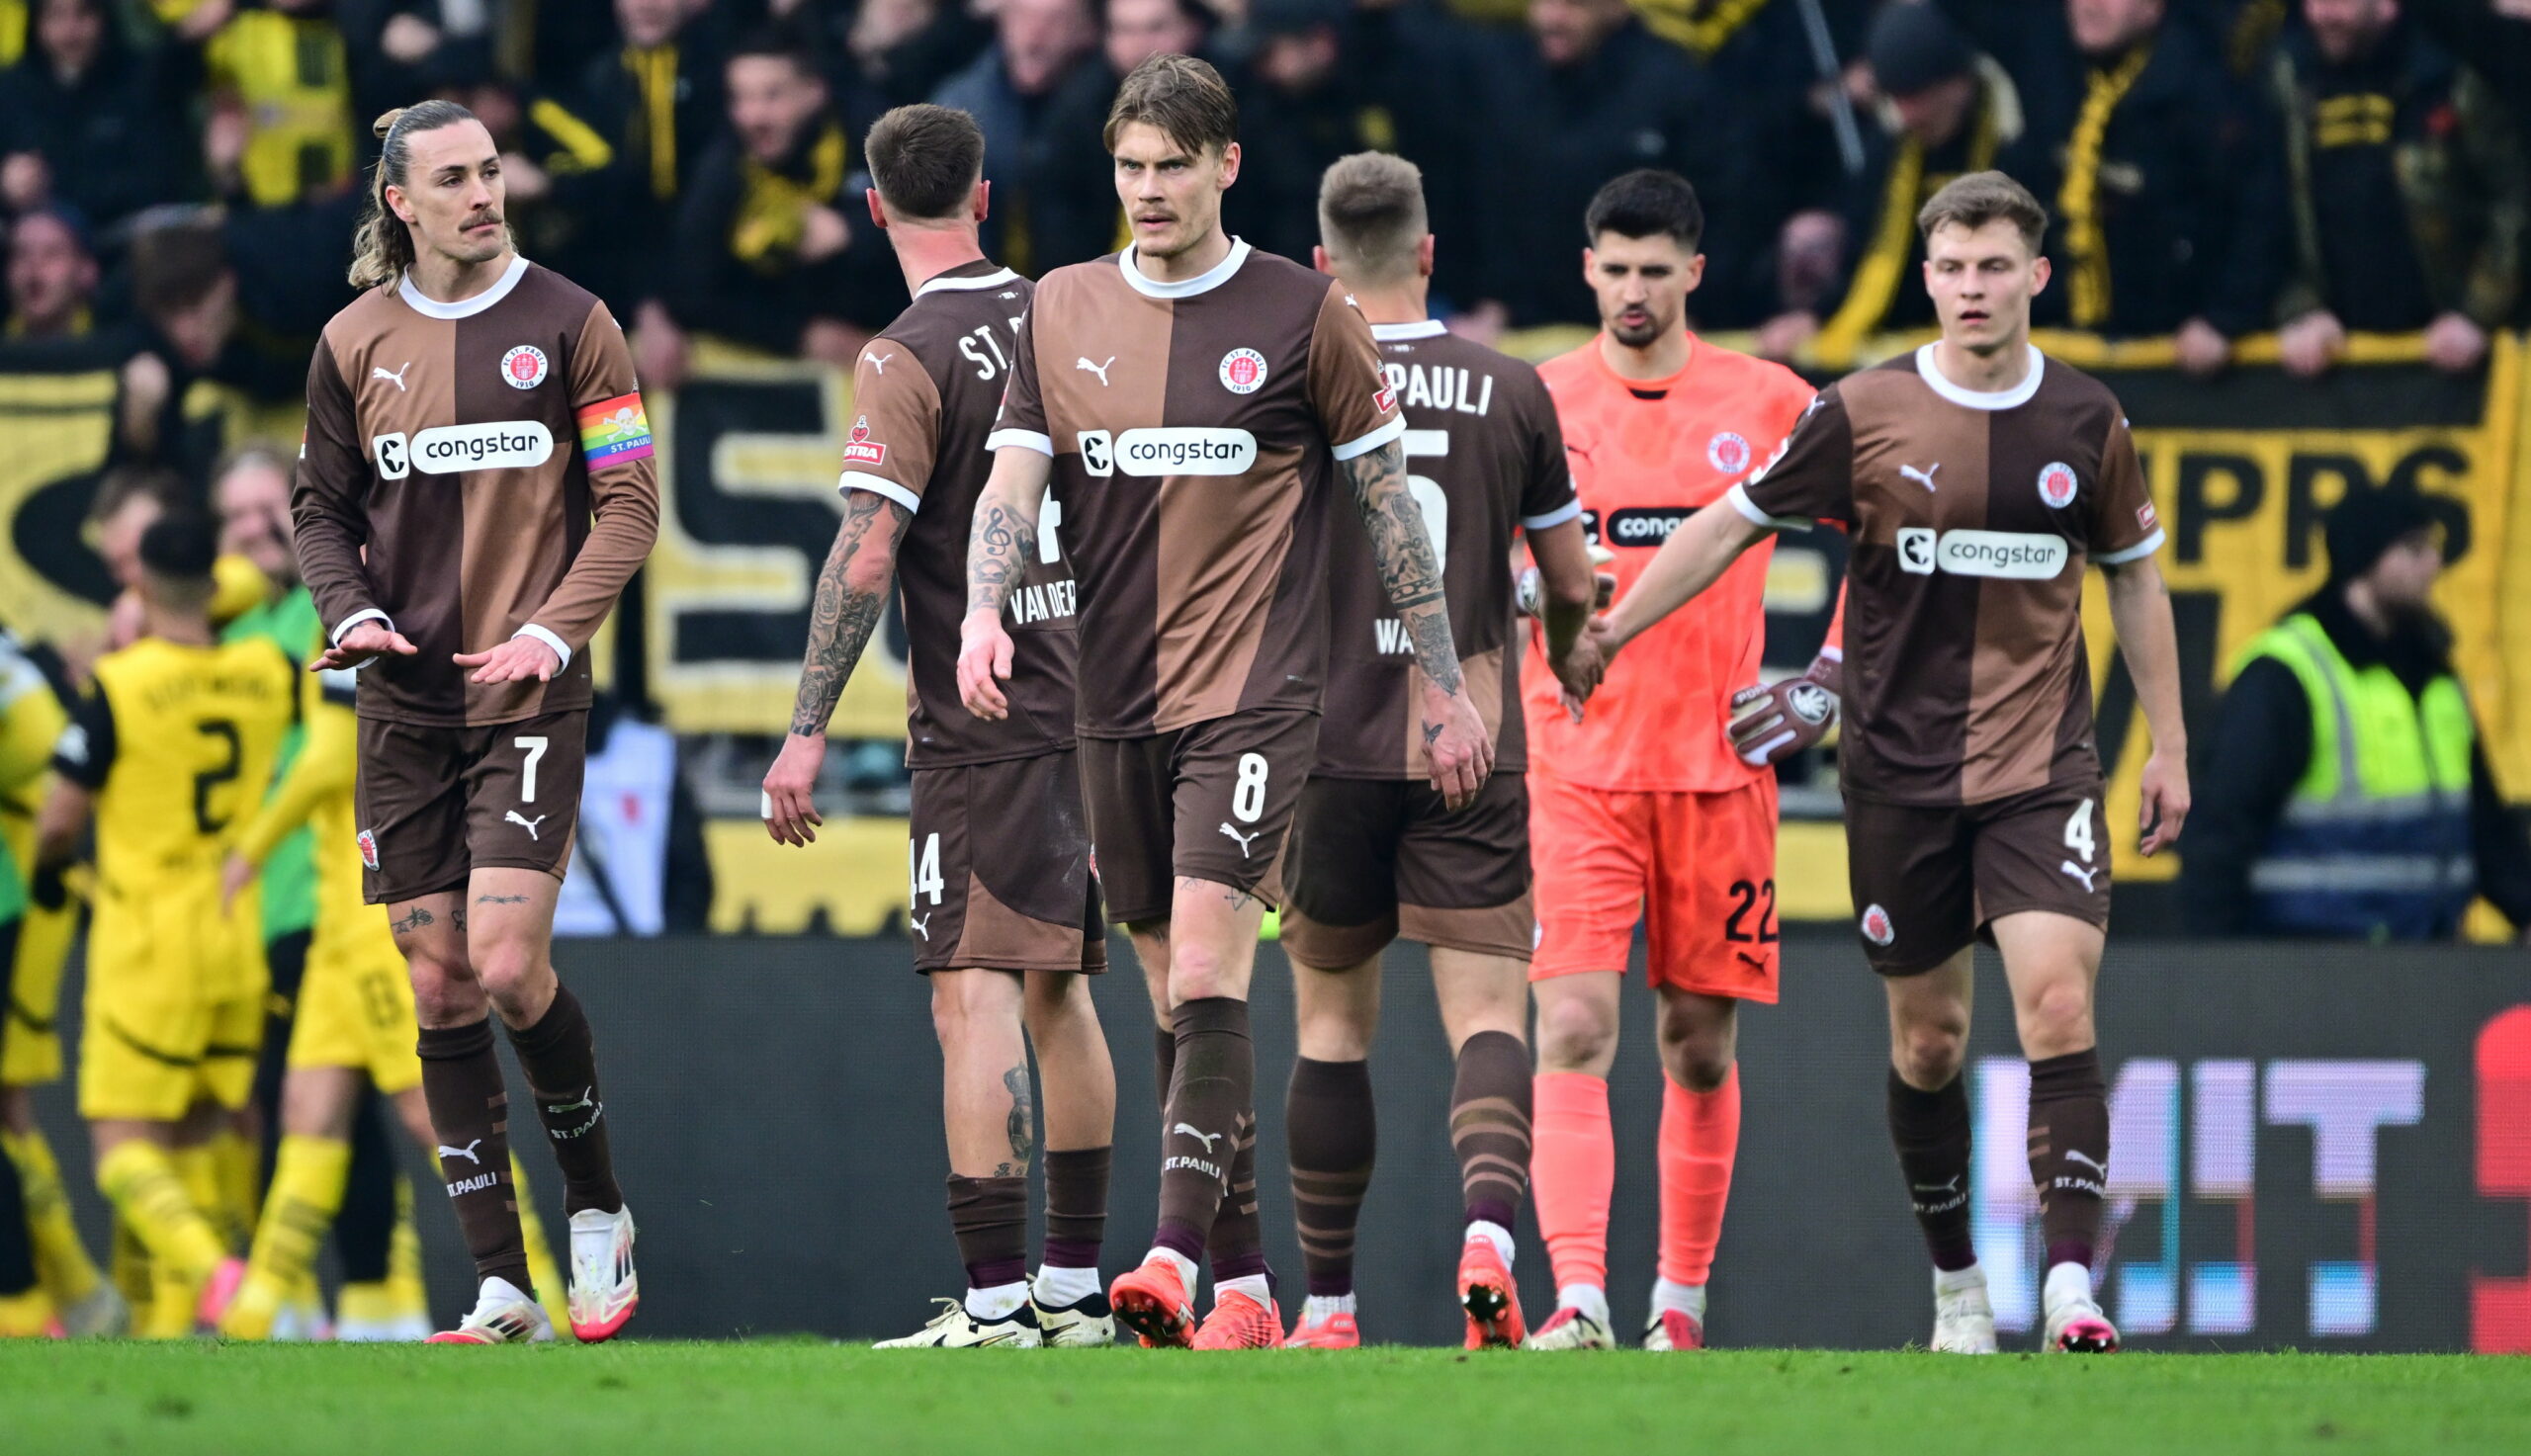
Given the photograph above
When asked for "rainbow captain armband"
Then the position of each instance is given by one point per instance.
(615, 432)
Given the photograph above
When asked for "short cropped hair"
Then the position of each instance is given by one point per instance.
(1370, 215)
(1981, 198)
(1186, 98)
(1647, 202)
(925, 159)
(121, 486)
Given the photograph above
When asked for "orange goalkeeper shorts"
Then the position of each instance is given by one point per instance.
(1698, 869)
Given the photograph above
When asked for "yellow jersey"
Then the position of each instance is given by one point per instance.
(318, 790)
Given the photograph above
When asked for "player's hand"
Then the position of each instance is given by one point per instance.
(1578, 672)
(983, 665)
(235, 876)
(790, 806)
(1775, 722)
(515, 660)
(1604, 590)
(365, 641)
(2165, 802)
(1459, 752)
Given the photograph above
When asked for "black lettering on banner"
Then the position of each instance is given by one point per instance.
(2199, 507)
(1747, 895)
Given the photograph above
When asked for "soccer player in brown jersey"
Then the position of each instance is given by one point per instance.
(1193, 404)
(1374, 853)
(1002, 898)
(1978, 476)
(474, 490)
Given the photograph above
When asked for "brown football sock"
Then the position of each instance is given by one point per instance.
(991, 1219)
(1211, 1099)
(1164, 1046)
(1330, 1127)
(2069, 1151)
(1931, 1133)
(1236, 1248)
(470, 1109)
(1076, 1206)
(560, 1058)
(1490, 1126)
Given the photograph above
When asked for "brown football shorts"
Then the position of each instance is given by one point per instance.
(437, 803)
(1927, 881)
(999, 869)
(1211, 801)
(1370, 861)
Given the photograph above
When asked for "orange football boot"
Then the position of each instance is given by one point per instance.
(1338, 1332)
(1492, 1300)
(1239, 1323)
(1150, 1301)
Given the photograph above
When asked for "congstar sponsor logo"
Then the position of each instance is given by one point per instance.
(1187, 450)
(504, 444)
(1645, 525)
(2017, 555)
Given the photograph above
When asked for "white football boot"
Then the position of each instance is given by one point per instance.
(1569, 1328)
(604, 1289)
(503, 1315)
(2075, 1324)
(1088, 1322)
(1963, 1319)
(953, 1328)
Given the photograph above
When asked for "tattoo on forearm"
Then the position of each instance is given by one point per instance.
(1000, 545)
(500, 899)
(841, 617)
(1022, 1125)
(1402, 546)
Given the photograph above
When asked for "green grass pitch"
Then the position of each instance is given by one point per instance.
(637, 1397)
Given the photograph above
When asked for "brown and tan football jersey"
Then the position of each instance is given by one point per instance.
(923, 397)
(474, 472)
(1195, 429)
(1972, 515)
(1484, 459)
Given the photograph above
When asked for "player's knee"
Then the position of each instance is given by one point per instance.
(1929, 1053)
(445, 990)
(963, 999)
(1200, 971)
(2057, 1020)
(510, 972)
(1573, 1032)
(1697, 1061)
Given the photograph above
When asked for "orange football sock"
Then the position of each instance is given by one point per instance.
(1572, 1169)
(1700, 1134)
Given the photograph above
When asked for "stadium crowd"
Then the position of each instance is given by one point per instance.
(179, 177)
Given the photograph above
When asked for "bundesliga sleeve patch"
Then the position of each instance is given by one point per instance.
(615, 432)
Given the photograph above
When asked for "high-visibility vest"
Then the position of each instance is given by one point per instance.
(2375, 843)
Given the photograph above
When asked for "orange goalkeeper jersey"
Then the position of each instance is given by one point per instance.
(1646, 455)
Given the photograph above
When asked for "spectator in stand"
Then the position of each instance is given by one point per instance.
(763, 245)
(280, 130)
(403, 49)
(1588, 93)
(2408, 188)
(900, 51)
(2347, 793)
(2165, 183)
(561, 186)
(656, 99)
(1305, 99)
(2492, 37)
(186, 292)
(1944, 109)
(1073, 216)
(87, 120)
(1009, 89)
(52, 277)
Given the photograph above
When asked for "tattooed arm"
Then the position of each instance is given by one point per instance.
(1460, 750)
(852, 594)
(1000, 543)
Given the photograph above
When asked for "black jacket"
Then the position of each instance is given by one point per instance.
(2261, 748)
(116, 140)
(745, 284)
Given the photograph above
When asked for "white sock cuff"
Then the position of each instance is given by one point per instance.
(1185, 1266)
(1494, 1233)
(999, 1300)
(2066, 1282)
(1057, 1286)
(1687, 1298)
(1323, 1306)
(1254, 1286)
(1590, 1299)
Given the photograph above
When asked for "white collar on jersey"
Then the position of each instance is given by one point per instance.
(463, 308)
(945, 284)
(1202, 282)
(2018, 394)
(1429, 328)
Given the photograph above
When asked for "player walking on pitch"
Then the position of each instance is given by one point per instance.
(1978, 476)
(467, 416)
(1374, 853)
(1193, 401)
(1004, 899)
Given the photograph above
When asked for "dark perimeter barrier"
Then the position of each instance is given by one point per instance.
(2326, 1148)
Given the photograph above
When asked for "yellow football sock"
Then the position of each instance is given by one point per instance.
(551, 1291)
(129, 1265)
(69, 1275)
(306, 1193)
(25, 1315)
(369, 1304)
(238, 1164)
(141, 1180)
(406, 1294)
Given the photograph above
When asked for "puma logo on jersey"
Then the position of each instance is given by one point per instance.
(1244, 840)
(1923, 476)
(922, 925)
(468, 1152)
(1100, 369)
(528, 824)
(1207, 1139)
(397, 379)
(879, 363)
(2081, 873)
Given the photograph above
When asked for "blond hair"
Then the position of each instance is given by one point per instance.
(383, 247)
(1981, 198)
(1371, 215)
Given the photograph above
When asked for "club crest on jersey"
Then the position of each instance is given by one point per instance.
(1243, 370)
(369, 849)
(2057, 484)
(1728, 452)
(861, 449)
(1876, 927)
(523, 368)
